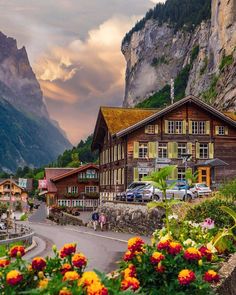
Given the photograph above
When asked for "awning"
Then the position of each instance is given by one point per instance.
(213, 163)
(43, 193)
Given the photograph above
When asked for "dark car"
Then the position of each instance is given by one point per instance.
(133, 195)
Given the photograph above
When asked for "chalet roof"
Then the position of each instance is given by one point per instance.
(74, 171)
(214, 163)
(53, 172)
(231, 115)
(172, 107)
(11, 181)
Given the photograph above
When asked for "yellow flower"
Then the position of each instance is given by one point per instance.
(71, 276)
(88, 278)
(200, 262)
(96, 289)
(43, 283)
(14, 277)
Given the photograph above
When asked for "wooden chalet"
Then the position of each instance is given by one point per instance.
(133, 142)
(72, 187)
(10, 189)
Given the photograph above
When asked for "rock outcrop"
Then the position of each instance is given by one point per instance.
(157, 53)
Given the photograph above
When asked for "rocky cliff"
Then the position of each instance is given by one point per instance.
(27, 134)
(158, 52)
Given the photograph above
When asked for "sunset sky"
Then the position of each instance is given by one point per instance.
(74, 49)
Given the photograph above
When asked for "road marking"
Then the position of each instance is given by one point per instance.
(96, 235)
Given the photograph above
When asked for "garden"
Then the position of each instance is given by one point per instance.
(184, 256)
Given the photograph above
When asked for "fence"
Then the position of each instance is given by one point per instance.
(81, 203)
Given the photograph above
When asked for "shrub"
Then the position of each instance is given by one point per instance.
(211, 209)
(24, 217)
(227, 60)
(228, 190)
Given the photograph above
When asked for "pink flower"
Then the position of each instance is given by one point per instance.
(208, 223)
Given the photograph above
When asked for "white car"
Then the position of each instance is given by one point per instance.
(202, 189)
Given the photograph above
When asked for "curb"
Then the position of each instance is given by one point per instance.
(28, 249)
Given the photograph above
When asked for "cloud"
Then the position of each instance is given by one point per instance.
(158, 1)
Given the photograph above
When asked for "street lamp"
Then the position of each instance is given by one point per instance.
(186, 157)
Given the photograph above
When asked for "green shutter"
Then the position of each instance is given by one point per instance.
(190, 127)
(166, 126)
(211, 150)
(156, 129)
(207, 127)
(169, 150)
(217, 130)
(174, 174)
(135, 171)
(136, 148)
(152, 150)
(197, 150)
(189, 148)
(226, 130)
(184, 126)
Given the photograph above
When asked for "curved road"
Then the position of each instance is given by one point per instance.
(103, 249)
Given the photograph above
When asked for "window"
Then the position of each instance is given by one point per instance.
(91, 189)
(175, 127)
(221, 130)
(91, 174)
(150, 129)
(181, 173)
(72, 189)
(141, 175)
(143, 150)
(198, 127)
(182, 149)
(162, 150)
(203, 151)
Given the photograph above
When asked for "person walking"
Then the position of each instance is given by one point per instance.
(102, 220)
(95, 219)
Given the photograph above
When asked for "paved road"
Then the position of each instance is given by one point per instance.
(103, 249)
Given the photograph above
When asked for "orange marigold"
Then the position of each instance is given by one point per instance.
(43, 283)
(164, 243)
(38, 263)
(130, 283)
(186, 276)
(79, 260)
(135, 244)
(67, 249)
(156, 257)
(65, 267)
(71, 276)
(130, 271)
(96, 289)
(17, 251)
(4, 262)
(65, 291)
(211, 276)
(205, 252)
(174, 248)
(160, 268)
(88, 278)
(192, 254)
(14, 277)
(128, 256)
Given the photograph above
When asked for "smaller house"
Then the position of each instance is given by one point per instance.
(10, 190)
(73, 187)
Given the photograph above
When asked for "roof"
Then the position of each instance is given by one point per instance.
(118, 119)
(172, 107)
(214, 163)
(74, 171)
(12, 181)
(53, 172)
(231, 115)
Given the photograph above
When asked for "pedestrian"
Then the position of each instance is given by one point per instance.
(95, 219)
(102, 220)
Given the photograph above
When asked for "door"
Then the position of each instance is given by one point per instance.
(204, 175)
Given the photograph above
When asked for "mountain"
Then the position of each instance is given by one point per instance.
(27, 134)
(190, 41)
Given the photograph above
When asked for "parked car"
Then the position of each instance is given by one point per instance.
(147, 193)
(133, 186)
(202, 189)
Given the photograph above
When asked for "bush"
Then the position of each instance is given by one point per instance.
(211, 209)
(24, 217)
(227, 60)
(228, 190)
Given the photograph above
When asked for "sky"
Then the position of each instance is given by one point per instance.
(74, 50)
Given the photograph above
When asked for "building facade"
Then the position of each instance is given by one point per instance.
(73, 187)
(134, 142)
(10, 190)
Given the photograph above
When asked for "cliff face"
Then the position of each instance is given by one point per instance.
(28, 136)
(157, 53)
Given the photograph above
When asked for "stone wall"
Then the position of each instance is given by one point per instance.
(228, 272)
(131, 218)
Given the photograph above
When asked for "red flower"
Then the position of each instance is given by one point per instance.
(160, 268)
(65, 267)
(156, 257)
(174, 248)
(4, 262)
(163, 244)
(130, 283)
(14, 277)
(17, 251)
(67, 249)
(128, 256)
(135, 244)
(130, 271)
(192, 254)
(38, 263)
(186, 276)
(206, 253)
(79, 260)
(211, 276)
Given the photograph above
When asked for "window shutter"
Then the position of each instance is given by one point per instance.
(169, 149)
(226, 130)
(174, 150)
(119, 152)
(217, 130)
(190, 127)
(119, 176)
(211, 150)
(136, 148)
(197, 150)
(152, 153)
(184, 126)
(123, 176)
(166, 126)
(189, 148)
(174, 174)
(135, 171)
(156, 129)
(69, 189)
(115, 176)
(146, 129)
(207, 127)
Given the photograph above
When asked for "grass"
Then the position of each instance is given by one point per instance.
(4, 248)
(227, 60)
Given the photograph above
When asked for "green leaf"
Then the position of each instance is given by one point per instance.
(230, 211)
